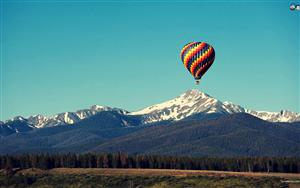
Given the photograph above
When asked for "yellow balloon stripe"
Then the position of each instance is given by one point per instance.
(203, 67)
(199, 60)
(186, 46)
(191, 52)
(186, 57)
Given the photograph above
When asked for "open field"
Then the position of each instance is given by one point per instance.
(165, 172)
(96, 177)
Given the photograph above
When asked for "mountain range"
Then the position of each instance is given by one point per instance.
(193, 123)
(190, 103)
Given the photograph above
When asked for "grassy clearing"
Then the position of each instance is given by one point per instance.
(136, 178)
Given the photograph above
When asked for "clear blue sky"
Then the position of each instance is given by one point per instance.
(67, 56)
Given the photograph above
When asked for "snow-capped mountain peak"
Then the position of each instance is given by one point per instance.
(17, 118)
(65, 118)
(282, 116)
(195, 102)
(99, 108)
(189, 103)
(37, 120)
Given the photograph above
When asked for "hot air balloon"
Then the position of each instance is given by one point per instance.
(197, 58)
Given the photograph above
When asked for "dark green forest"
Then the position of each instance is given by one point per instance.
(123, 160)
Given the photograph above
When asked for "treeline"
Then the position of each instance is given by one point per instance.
(123, 160)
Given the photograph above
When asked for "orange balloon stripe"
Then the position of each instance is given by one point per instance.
(211, 61)
(189, 54)
(203, 67)
(193, 52)
(195, 63)
(206, 67)
(199, 60)
(186, 47)
(198, 72)
(188, 57)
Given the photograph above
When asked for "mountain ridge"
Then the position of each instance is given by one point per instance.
(192, 102)
(41, 121)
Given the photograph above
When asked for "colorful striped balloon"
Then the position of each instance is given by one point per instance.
(197, 57)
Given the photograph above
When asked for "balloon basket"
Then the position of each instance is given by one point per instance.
(197, 82)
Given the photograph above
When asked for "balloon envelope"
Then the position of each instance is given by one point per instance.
(197, 58)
